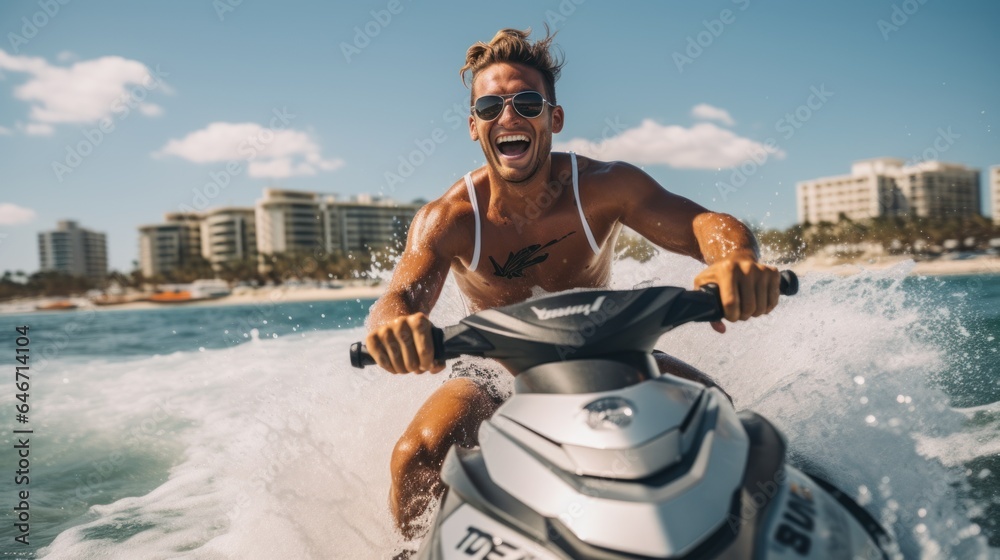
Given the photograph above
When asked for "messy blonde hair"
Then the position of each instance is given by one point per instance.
(512, 46)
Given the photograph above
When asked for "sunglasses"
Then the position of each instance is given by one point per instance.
(528, 104)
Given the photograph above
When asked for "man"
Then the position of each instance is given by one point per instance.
(530, 218)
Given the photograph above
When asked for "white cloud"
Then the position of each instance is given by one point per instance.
(275, 168)
(703, 146)
(84, 92)
(4, 131)
(275, 154)
(38, 129)
(707, 112)
(151, 109)
(13, 215)
(67, 56)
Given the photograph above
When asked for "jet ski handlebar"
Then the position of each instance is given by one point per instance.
(454, 341)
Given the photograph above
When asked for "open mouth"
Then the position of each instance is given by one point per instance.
(513, 145)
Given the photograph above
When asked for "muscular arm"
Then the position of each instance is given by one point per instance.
(416, 283)
(747, 288)
(721, 236)
(399, 330)
(678, 224)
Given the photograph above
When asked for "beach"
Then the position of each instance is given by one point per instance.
(957, 265)
(265, 295)
(222, 430)
(945, 266)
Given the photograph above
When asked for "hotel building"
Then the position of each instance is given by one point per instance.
(283, 221)
(306, 221)
(364, 223)
(289, 221)
(995, 193)
(73, 250)
(171, 245)
(889, 187)
(228, 234)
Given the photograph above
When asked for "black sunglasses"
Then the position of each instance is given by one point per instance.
(528, 104)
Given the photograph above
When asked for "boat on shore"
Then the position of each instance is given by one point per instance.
(199, 290)
(174, 296)
(107, 300)
(61, 305)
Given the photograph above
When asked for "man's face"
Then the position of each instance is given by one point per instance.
(517, 161)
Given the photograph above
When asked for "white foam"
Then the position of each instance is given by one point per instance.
(285, 450)
(281, 450)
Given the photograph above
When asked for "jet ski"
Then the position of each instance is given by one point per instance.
(597, 455)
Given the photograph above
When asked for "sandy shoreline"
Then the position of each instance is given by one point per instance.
(277, 295)
(262, 296)
(940, 267)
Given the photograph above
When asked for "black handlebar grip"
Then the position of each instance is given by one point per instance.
(437, 335)
(360, 356)
(789, 286)
(789, 283)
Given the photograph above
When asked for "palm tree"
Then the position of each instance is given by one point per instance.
(239, 270)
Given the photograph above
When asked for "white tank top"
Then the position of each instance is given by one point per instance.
(479, 226)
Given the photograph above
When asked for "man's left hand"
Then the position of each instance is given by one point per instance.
(746, 287)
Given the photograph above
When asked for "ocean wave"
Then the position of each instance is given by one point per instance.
(277, 448)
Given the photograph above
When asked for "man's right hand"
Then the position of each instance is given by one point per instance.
(404, 345)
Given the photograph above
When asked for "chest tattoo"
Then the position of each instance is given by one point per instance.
(517, 262)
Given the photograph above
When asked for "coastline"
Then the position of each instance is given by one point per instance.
(815, 264)
(274, 295)
(983, 264)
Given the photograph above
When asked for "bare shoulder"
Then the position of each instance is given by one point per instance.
(445, 223)
(614, 182)
(631, 194)
(622, 174)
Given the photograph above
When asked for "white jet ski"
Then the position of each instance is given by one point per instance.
(597, 455)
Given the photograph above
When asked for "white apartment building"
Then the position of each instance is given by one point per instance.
(995, 193)
(306, 221)
(363, 223)
(73, 250)
(889, 187)
(228, 234)
(937, 189)
(168, 246)
(283, 221)
(289, 221)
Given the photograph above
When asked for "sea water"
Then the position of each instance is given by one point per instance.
(243, 433)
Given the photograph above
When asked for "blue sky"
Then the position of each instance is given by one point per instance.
(328, 96)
